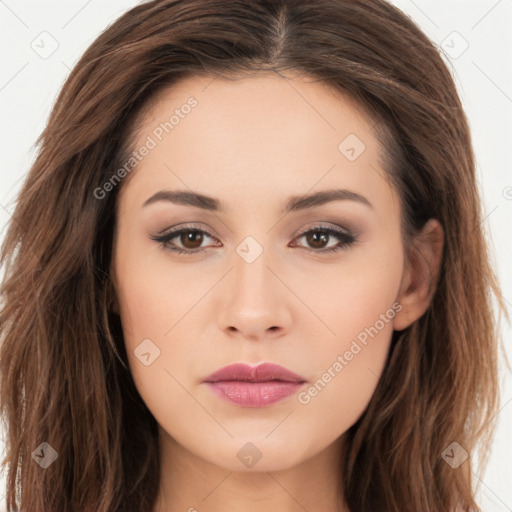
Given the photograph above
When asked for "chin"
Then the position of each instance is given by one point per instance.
(255, 454)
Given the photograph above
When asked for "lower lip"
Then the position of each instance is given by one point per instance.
(254, 394)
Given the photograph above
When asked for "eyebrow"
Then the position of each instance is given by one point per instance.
(294, 203)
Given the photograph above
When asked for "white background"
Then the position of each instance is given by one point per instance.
(29, 85)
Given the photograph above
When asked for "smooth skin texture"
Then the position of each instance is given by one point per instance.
(252, 143)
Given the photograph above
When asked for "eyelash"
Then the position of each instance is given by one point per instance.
(346, 239)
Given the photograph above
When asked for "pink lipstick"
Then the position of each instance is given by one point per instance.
(254, 386)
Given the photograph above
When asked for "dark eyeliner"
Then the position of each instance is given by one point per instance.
(345, 239)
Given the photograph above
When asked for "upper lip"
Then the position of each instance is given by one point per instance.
(262, 373)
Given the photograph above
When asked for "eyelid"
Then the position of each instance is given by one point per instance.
(185, 225)
(320, 225)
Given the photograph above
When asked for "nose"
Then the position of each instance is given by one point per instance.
(254, 302)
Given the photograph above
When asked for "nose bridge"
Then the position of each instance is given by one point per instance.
(252, 277)
(253, 301)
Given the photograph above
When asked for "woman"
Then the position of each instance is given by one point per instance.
(239, 274)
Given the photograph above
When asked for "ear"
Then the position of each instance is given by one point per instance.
(419, 279)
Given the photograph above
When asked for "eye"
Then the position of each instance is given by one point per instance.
(318, 235)
(191, 239)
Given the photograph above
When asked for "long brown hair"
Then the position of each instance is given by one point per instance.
(64, 372)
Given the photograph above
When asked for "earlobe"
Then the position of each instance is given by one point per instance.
(421, 274)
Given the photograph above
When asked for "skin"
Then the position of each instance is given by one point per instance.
(252, 143)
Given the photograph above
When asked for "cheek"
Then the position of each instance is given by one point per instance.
(357, 296)
(358, 308)
(151, 312)
(345, 372)
(150, 292)
(150, 305)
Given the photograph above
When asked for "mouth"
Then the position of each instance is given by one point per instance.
(258, 386)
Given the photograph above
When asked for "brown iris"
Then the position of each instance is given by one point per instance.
(316, 237)
(193, 237)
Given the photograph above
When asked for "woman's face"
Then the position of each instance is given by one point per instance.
(259, 287)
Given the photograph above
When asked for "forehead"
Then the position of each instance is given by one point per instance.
(254, 136)
(261, 100)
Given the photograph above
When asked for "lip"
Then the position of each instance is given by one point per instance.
(254, 386)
